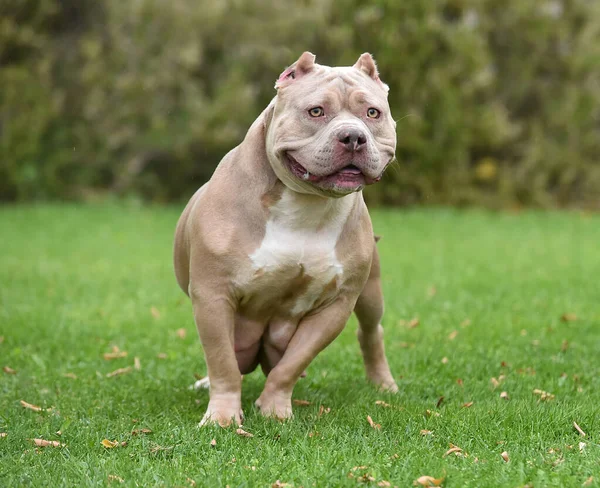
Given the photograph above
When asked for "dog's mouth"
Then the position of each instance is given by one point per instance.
(348, 179)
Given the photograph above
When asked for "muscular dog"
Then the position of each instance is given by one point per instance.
(277, 249)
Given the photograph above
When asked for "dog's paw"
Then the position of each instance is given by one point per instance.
(275, 406)
(204, 383)
(384, 383)
(223, 417)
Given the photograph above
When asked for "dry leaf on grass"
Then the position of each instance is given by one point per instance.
(505, 456)
(114, 477)
(444, 360)
(191, 481)
(3, 434)
(465, 323)
(9, 370)
(467, 405)
(29, 406)
(73, 376)
(589, 481)
(118, 372)
(428, 481)
(544, 395)
(453, 449)
(141, 431)
(582, 446)
(373, 424)
(432, 291)
(136, 363)
(568, 317)
(161, 355)
(181, 333)
(426, 432)
(429, 413)
(413, 323)
(45, 443)
(112, 444)
(301, 403)
(323, 410)
(459, 382)
(384, 484)
(213, 443)
(439, 402)
(504, 395)
(578, 429)
(114, 355)
(155, 312)
(453, 335)
(381, 403)
(243, 433)
(564, 346)
(279, 484)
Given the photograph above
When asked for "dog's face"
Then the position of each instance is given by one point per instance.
(331, 131)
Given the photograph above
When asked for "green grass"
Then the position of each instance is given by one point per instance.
(76, 280)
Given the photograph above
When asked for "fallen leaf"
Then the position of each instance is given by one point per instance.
(114, 355)
(373, 424)
(323, 410)
(243, 433)
(428, 481)
(495, 382)
(425, 432)
(109, 444)
(191, 481)
(467, 405)
(161, 355)
(3, 434)
(564, 346)
(429, 413)
(544, 395)
(413, 323)
(453, 335)
(155, 312)
(444, 360)
(45, 443)
(432, 291)
(582, 446)
(504, 395)
(452, 449)
(141, 431)
(136, 363)
(181, 333)
(578, 429)
(156, 448)
(465, 323)
(118, 372)
(302, 403)
(459, 382)
(9, 370)
(279, 484)
(29, 406)
(70, 375)
(384, 484)
(589, 481)
(568, 317)
(313, 434)
(381, 403)
(505, 456)
(114, 477)
(213, 443)
(439, 402)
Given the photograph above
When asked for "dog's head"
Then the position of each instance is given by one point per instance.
(331, 132)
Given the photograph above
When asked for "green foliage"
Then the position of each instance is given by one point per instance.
(497, 104)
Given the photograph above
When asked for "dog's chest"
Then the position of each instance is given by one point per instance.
(295, 268)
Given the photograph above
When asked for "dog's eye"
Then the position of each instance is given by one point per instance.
(316, 112)
(373, 113)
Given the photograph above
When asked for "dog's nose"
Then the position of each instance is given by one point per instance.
(352, 139)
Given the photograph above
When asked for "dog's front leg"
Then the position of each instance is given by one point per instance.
(313, 334)
(214, 318)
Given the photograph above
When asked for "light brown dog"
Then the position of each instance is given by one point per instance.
(277, 249)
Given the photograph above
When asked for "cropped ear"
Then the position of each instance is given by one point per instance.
(304, 65)
(367, 65)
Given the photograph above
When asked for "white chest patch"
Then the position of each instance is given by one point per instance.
(302, 232)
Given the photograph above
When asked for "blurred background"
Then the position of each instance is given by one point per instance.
(498, 103)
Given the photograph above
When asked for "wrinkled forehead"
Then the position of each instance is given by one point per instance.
(338, 84)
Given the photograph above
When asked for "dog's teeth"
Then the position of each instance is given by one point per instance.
(306, 175)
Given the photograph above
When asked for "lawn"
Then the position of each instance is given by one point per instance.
(478, 304)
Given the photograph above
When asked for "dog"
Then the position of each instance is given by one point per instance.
(277, 250)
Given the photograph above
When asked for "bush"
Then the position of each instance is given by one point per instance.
(496, 104)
